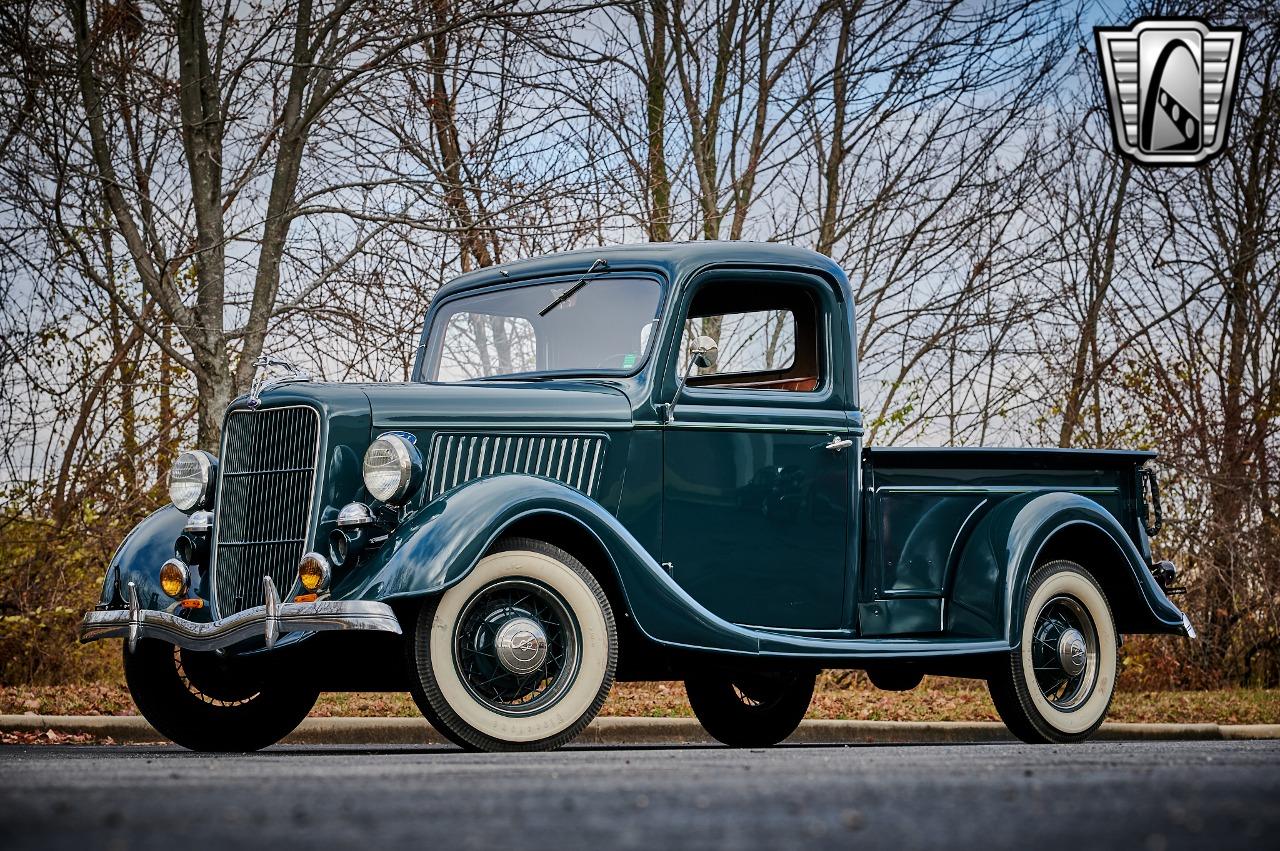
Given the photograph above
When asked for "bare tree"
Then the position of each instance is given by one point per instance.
(232, 197)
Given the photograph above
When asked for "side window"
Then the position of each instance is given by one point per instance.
(758, 341)
(478, 345)
(767, 334)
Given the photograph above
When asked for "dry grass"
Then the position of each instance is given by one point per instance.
(937, 699)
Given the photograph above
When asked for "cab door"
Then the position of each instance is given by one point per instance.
(758, 457)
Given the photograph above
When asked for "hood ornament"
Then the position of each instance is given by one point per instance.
(285, 372)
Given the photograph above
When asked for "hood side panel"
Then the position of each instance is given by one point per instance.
(561, 404)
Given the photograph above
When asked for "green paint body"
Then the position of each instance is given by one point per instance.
(775, 545)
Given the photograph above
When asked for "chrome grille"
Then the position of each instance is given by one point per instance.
(266, 479)
(461, 457)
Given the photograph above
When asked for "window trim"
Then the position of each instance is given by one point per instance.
(827, 311)
(429, 343)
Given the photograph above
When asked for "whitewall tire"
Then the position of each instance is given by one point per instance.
(519, 655)
(1058, 684)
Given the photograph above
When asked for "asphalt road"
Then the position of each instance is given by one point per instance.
(1132, 795)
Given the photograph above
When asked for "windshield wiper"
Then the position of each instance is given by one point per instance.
(579, 284)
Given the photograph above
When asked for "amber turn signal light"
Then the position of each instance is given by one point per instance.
(305, 598)
(313, 572)
(174, 578)
(191, 603)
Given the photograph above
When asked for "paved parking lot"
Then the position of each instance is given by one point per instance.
(1132, 795)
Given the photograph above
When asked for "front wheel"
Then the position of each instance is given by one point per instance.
(752, 710)
(518, 656)
(1057, 686)
(203, 703)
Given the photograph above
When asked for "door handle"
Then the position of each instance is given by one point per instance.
(839, 444)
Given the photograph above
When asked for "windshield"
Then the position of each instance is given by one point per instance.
(603, 326)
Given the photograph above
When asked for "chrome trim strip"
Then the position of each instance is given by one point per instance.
(322, 616)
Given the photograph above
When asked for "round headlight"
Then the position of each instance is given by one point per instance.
(313, 572)
(191, 480)
(174, 578)
(392, 467)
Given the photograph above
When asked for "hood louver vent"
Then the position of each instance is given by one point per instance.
(458, 458)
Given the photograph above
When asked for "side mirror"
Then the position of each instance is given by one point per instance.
(704, 350)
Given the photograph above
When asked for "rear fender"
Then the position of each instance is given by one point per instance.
(439, 545)
(991, 576)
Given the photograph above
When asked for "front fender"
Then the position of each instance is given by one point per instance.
(138, 560)
(992, 574)
(440, 544)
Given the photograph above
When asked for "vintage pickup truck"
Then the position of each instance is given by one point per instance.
(633, 463)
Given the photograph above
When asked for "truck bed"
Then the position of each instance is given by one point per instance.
(922, 505)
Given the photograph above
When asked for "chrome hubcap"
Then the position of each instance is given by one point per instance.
(1071, 652)
(521, 645)
(1064, 653)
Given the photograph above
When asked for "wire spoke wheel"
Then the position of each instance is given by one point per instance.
(517, 646)
(205, 702)
(519, 655)
(1065, 653)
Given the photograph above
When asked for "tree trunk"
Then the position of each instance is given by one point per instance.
(215, 387)
(829, 214)
(659, 183)
(1084, 371)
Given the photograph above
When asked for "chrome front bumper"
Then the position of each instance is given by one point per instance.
(270, 621)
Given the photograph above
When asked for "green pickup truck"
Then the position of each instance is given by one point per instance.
(633, 463)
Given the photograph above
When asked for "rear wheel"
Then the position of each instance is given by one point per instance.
(1057, 686)
(518, 656)
(204, 703)
(750, 710)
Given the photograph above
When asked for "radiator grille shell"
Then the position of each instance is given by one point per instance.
(461, 457)
(262, 521)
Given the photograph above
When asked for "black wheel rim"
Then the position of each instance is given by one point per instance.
(1064, 653)
(490, 614)
(204, 682)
